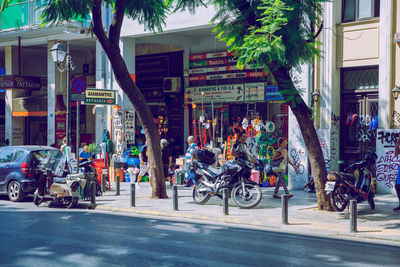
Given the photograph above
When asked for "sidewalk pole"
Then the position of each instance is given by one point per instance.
(225, 204)
(285, 209)
(117, 185)
(353, 215)
(103, 183)
(175, 197)
(93, 193)
(133, 195)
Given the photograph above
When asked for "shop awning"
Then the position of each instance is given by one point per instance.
(31, 106)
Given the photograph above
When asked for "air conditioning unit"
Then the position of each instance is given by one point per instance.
(172, 85)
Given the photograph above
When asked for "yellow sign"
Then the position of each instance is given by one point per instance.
(103, 97)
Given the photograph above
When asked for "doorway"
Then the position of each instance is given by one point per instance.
(359, 113)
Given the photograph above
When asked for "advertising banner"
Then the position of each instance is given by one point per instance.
(218, 93)
(254, 92)
(272, 93)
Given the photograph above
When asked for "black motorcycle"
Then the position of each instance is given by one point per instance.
(233, 175)
(343, 186)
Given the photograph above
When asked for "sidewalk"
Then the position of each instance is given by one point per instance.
(381, 225)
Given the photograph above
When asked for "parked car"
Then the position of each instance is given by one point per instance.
(16, 163)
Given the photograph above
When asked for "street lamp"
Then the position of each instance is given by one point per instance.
(59, 53)
(396, 92)
(315, 96)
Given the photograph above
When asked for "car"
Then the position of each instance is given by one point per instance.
(16, 164)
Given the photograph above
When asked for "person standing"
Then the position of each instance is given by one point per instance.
(240, 148)
(397, 182)
(190, 160)
(282, 154)
(64, 144)
(144, 168)
(166, 159)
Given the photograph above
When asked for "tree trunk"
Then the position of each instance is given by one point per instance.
(303, 116)
(142, 109)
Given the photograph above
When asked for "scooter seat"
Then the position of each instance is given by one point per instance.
(60, 180)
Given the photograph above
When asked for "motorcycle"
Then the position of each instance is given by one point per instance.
(233, 175)
(343, 186)
(57, 186)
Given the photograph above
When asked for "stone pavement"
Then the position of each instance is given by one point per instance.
(381, 225)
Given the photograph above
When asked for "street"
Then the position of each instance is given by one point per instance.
(58, 237)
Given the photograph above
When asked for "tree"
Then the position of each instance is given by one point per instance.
(4, 5)
(276, 34)
(152, 14)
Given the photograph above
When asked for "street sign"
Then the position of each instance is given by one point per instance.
(78, 85)
(100, 97)
(78, 97)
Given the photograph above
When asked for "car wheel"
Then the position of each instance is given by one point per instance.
(14, 191)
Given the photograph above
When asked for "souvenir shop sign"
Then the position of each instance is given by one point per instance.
(272, 93)
(100, 97)
(254, 92)
(218, 93)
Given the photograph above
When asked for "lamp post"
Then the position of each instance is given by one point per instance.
(396, 92)
(59, 53)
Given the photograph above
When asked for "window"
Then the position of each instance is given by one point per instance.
(353, 10)
(6, 155)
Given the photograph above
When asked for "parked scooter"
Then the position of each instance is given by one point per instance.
(343, 186)
(233, 175)
(55, 185)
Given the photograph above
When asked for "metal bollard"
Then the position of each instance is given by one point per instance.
(93, 193)
(117, 185)
(284, 202)
(175, 197)
(133, 195)
(353, 215)
(225, 204)
(103, 183)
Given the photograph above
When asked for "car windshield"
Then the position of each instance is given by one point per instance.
(53, 159)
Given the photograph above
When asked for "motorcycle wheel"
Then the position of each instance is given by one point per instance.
(371, 201)
(37, 200)
(247, 198)
(200, 194)
(68, 202)
(339, 198)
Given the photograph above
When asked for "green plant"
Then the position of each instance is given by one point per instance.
(92, 148)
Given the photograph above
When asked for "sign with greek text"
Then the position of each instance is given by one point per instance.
(254, 92)
(387, 163)
(20, 82)
(100, 97)
(218, 93)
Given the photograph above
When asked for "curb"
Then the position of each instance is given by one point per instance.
(308, 228)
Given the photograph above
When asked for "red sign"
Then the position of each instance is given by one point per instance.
(78, 85)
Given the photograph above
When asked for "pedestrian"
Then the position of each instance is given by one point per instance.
(166, 159)
(64, 144)
(397, 182)
(190, 153)
(144, 163)
(281, 155)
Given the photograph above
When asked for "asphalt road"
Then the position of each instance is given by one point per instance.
(33, 236)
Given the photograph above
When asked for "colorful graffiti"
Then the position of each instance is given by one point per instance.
(387, 163)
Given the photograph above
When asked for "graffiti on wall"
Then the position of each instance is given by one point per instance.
(323, 136)
(296, 159)
(396, 117)
(361, 128)
(387, 163)
(334, 137)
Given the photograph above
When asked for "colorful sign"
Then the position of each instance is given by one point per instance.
(100, 97)
(227, 76)
(78, 85)
(218, 93)
(20, 82)
(254, 92)
(272, 93)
